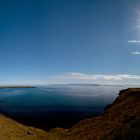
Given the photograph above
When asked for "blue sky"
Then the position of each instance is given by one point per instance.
(66, 41)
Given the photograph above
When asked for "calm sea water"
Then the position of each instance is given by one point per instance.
(56, 106)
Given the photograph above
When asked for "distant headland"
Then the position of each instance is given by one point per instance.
(17, 87)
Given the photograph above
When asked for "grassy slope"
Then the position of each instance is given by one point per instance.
(11, 130)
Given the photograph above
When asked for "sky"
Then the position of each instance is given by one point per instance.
(69, 41)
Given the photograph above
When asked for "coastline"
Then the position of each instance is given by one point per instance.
(17, 87)
(120, 120)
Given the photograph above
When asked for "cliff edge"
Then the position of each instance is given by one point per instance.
(119, 121)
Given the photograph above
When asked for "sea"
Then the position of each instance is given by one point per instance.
(53, 106)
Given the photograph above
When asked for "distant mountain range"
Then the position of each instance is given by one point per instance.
(88, 84)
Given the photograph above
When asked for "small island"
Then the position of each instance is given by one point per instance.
(17, 87)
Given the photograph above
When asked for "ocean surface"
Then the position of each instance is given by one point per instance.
(57, 105)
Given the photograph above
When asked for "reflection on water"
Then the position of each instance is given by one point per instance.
(52, 106)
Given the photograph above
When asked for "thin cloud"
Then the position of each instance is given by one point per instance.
(136, 53)
(94, 77)
(129, 76)
(134, 41)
